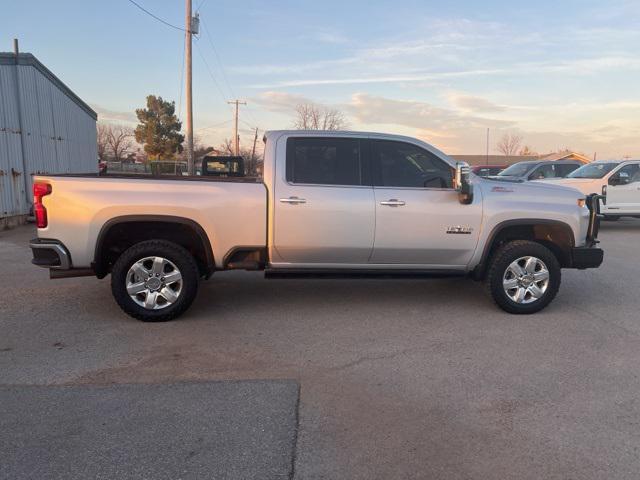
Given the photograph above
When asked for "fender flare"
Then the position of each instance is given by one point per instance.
(529, 222)
(104, 230)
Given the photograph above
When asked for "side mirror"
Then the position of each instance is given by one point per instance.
(462, 184)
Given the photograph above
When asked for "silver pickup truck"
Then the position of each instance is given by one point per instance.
(330, 203)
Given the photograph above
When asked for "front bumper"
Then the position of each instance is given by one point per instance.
(586, 257)
(590, 256)
(50, 254)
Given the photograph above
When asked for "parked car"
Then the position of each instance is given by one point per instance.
(618, 181)
(331, 203)
(538, 170)
(487, 170)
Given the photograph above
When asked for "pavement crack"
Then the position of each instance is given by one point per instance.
(370, 358)
(294, 446)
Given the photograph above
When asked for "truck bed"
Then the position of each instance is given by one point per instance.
(231, 211)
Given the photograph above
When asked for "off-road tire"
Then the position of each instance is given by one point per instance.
(501, 260)
(162, 248)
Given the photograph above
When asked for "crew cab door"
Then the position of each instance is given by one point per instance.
(419, 219)
(324, 211)
(623, 191)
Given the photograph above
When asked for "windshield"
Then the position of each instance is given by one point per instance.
(593, 170)
(516, 170)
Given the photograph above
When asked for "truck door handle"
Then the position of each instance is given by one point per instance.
(393, 203)
(293, 200)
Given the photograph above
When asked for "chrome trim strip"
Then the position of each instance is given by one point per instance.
(65, 260)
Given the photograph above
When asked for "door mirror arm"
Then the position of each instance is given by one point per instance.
(462, 183)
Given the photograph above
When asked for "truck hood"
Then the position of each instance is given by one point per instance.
(535, 189)
(568, 181)
(584, 185)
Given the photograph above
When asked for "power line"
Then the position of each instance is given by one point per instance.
(215, 125)
(224, 97)
(156, 17)
(215, 51)
(200, 5)
(184, 46)
(222, 69)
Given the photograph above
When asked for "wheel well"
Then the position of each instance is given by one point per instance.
(117, 236)
(557, 237)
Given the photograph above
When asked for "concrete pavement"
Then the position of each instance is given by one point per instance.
(409, 379)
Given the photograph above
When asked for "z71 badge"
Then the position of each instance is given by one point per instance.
(460, 230)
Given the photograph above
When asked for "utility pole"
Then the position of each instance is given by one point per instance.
(487, 145)
(189, 121)
(236, 138)
(253, 151)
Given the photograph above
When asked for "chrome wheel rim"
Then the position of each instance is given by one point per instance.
(154, 283)
(526, 280)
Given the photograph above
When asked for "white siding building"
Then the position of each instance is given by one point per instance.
(44, 128)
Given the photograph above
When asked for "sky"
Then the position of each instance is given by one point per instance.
(561, 74)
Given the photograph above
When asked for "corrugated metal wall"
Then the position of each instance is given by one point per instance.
(57, 136)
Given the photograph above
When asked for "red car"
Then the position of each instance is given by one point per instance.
(487, 170)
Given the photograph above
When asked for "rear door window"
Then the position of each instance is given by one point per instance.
(324, 161)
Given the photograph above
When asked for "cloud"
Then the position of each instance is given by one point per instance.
(114, 116)
(370, 109)
(280, 101)
(472, 103)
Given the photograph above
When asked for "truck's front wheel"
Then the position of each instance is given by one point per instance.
(155, 280)
(523, 277)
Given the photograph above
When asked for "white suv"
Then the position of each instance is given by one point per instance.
(618, 180)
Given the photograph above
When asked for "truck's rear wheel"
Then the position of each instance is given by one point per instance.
(155, 280)
(524, 277)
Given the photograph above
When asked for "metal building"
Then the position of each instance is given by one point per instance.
(44, 128)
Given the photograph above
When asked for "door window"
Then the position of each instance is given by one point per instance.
(543, 171)
(627, 174)
(324, 161)
(399, 164)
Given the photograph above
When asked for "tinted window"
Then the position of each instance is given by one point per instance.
(517, 169)
(543, 171)
(565, 169)
(628, 174)
(398, 164)
(593, 170)
(325, 161)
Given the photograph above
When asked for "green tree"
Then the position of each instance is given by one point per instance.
(159, 129)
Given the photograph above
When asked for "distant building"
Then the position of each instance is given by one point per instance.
(44, 128)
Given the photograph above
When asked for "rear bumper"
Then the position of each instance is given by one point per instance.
(586, 257)
(50, 254)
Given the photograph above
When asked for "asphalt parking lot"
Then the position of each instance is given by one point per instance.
(411, 379)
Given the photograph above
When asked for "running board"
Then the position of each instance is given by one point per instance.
(282, 273)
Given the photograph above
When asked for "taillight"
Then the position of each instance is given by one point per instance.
(40, 190)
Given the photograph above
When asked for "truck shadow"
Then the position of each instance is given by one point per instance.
(250, 292)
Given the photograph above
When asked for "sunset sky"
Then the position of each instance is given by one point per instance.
(560, 73)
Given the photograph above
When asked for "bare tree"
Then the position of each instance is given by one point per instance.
(102, 132)
(227, 147)
(252, 160)
(316, 117)
(527, 151)
(509, 144)
(120, 141)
